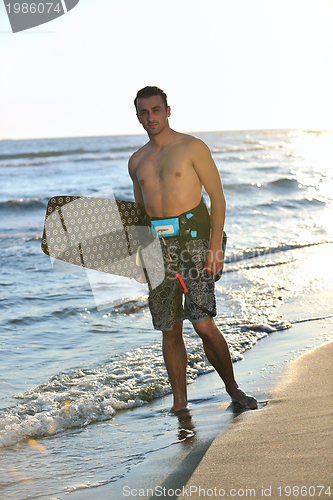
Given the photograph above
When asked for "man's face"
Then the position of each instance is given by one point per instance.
(152, 114)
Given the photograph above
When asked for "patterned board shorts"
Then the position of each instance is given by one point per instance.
(166, 300)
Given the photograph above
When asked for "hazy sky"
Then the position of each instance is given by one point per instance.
(225, 64)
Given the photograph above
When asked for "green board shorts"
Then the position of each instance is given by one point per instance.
(166, 300)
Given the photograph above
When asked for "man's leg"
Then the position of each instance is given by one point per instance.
(175, 359)
(218, 354)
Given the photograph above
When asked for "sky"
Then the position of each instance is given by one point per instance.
(224, 64)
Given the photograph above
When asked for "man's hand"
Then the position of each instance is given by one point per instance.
(214, 261)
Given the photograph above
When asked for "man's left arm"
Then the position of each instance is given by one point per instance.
(209, 175)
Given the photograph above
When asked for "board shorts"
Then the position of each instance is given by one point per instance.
(167, 303)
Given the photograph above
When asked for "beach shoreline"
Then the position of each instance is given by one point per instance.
(283, 450)
(188, 463)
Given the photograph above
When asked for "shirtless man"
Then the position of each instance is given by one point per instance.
(168, 175)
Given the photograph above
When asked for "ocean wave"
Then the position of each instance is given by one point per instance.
(311, 202)
(240, 149)
(239, 186)
(267, 168)
(24, 203)
(251, 253)
(84, 396)
(37, 203)
(63, 159)
(284, 182)
(66, 152)
(130, 305)
(43, 154)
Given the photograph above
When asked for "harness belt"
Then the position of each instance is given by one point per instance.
(194, 223)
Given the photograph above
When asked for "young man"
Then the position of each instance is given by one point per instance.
(168, 175)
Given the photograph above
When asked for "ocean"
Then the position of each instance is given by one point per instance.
(84, 393)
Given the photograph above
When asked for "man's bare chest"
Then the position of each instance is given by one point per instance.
(163, 167)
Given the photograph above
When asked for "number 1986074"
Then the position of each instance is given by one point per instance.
(304, 491)
(34, 8)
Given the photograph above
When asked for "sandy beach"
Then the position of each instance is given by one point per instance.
(283, 450)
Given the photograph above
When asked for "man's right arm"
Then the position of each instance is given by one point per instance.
(132, 166)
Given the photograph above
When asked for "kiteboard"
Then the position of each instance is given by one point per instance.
(96, 233)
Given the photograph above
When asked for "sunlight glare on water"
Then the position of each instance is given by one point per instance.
(315, 172)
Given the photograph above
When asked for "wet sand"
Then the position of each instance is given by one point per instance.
(281, 451)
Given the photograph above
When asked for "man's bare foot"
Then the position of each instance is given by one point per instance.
(239, 396)
(177, 408)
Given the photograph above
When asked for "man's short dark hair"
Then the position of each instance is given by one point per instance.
(149, 92)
